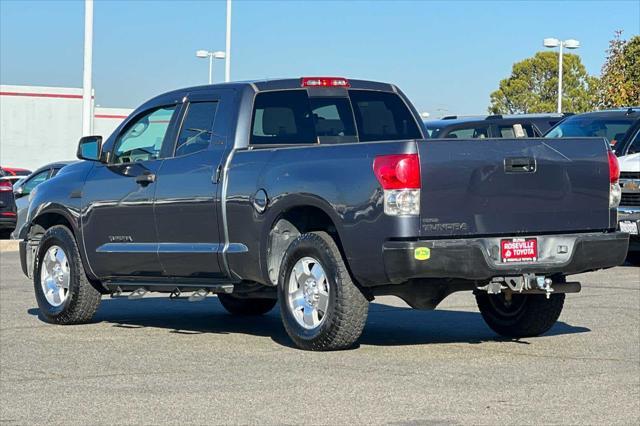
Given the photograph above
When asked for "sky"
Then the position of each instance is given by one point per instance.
(447, 56)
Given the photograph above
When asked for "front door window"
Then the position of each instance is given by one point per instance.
(142, 140)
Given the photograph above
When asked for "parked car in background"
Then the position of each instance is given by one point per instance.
(25, 185)
(322, 193)
(616, 125)
(8, 177)
(621, 127)
(7, 206)
(492, 126)
(16, 171)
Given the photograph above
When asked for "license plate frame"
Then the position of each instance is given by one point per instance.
(629, 226)
(519, 250)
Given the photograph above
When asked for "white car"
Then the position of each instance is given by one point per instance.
(629, 210)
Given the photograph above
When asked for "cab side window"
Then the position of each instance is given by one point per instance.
(142, 139)
(195, 134)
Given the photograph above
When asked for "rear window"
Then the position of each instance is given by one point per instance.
(292, 117)
(382, 116)
(333, 119)
(282, 117)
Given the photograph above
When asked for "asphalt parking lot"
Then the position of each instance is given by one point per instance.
(160, 361)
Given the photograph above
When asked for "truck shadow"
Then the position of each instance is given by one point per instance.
(386, 325)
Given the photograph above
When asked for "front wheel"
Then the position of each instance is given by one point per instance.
(63, 291)
(521, 315)
(321, 307)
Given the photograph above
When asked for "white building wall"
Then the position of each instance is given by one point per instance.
(105, 120)
(39, 125)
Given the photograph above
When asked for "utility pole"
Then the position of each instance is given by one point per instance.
(87, 88)
(227, 63)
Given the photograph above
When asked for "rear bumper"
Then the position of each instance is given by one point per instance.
(479, 258)
(7, 222)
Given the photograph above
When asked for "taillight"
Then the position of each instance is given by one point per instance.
(400, 171)
(615, 193)
(614, 168)
(325, 82)
(399, 176)
(5, 186)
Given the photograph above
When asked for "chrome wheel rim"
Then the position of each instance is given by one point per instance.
(308, 293)
(55, 276)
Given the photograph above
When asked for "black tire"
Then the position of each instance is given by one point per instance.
(527, 315)
(633, 257)
(247, 307)
(347, 309)
(83, 299)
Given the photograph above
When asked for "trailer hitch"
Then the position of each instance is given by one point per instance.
(529, 284)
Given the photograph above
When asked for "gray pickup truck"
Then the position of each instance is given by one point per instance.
(320, 193)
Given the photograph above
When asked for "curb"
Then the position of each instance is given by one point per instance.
(9, 245)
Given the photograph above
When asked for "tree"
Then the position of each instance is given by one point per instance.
(620, 82)
(533, 86)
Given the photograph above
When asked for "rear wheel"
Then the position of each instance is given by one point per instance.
(63, 291)
(522, 315)
(238, 306)
(321, 307)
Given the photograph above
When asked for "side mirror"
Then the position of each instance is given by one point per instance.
(19, 192)
(90, 148)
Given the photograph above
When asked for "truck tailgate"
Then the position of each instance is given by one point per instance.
(513, 186)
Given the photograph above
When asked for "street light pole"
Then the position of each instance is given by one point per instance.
(211, 55)
(227, 63)
(87, 89)
(560, 79)
(210, 68)
(569, 44)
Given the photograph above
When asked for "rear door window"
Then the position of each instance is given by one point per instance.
(196, 130)
(382, 116)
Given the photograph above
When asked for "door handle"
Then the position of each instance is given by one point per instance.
(519, 165)
(145, 179)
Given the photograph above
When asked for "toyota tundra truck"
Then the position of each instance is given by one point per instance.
(319, 193)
